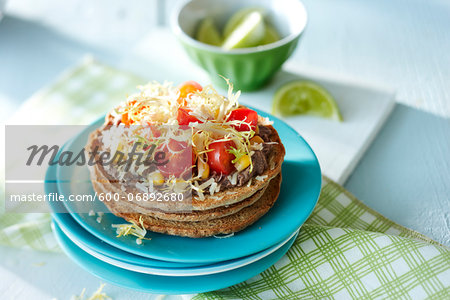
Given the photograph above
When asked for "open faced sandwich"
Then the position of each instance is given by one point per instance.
(198, 142)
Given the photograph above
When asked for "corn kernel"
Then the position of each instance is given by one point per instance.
(257, 129)
(120, 148)
(216, 113)
(203, 169)
(242, 163)
(256, 140)
(157, 178)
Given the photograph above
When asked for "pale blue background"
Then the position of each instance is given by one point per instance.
(403, 44)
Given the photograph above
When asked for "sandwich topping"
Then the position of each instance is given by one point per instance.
(221, 144)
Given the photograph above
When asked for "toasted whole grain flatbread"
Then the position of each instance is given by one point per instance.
(219, 199)
(225, 225)
(103, 183)
(195, 215)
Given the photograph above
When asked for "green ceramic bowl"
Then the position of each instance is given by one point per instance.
(247, 68)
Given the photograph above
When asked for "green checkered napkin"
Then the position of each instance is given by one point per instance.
(345, 249)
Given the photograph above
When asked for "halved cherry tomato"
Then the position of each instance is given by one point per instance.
(244, 114)
(187, 88)
(219, 159)
(176, 146)
(125, 120)
(184, 118)
(179, 157)
(155, 130)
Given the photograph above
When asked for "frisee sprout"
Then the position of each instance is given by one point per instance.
(238, 153)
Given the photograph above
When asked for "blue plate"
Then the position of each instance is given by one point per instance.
(65, 221)
(125, 260)
(165, 284)
(299, 193)
(181, 271)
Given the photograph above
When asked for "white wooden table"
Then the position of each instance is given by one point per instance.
(404, 44)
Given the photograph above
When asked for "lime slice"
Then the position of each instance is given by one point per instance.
(207, 33)
(271, 35)
(248, 33)
(237, 18)
(305, 98)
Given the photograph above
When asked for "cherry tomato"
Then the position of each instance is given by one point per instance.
(176, 146)
(125, 119)
(187, 88)
(184, 118)
(244, 114)
(219, 159)
(179, 157)
(155, 130)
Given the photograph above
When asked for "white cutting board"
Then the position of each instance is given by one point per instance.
(339, 146)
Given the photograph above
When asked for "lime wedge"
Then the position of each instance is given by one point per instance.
(237, 18)
(248, 33)
(271, 35)
(305, 98)
(207, 33)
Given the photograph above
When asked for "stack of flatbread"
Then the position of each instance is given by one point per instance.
(228, 211)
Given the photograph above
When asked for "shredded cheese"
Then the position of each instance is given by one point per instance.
(233, 178)
(97, 295)
(141, 187)
(264, 121)
(138, 230)
(261, 178)
(158, 104)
